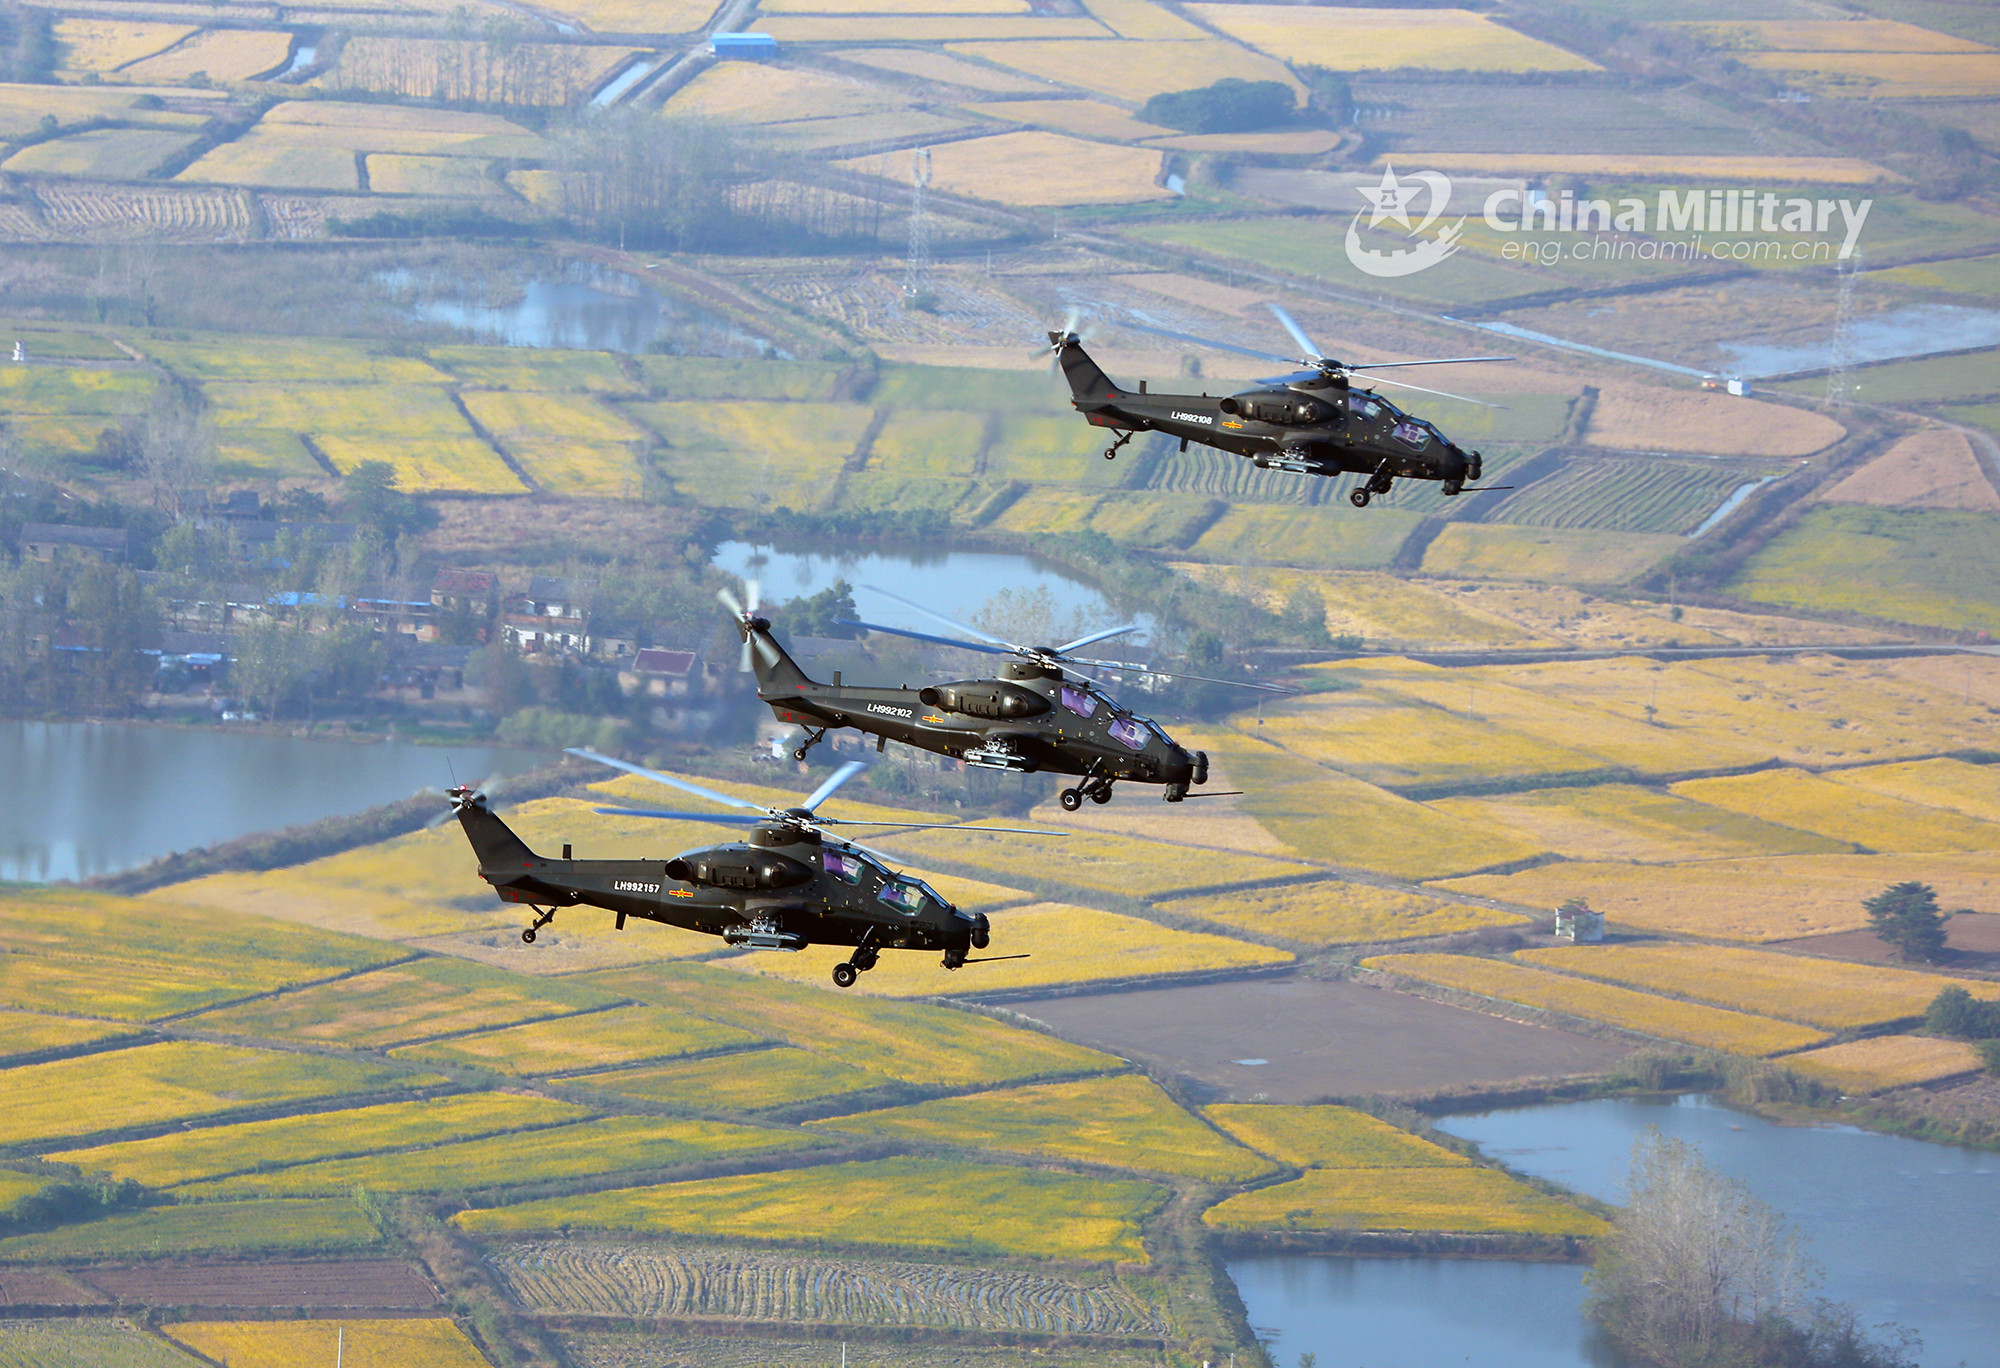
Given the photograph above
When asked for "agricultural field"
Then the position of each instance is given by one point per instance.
(611, 1350)
(1935, 468)
(746, 92)
(1973, 790)
(1642, 418)
(434, 1343)
(1826, 35)
(901, 1203)
(15, 1186)
(636, 16)
(569, 443)
(29, 1032)
(750, 454)
(546, 370)
(104, 45)
(1131, 70)
(22, 108)
(618, 1144)
(310, 1226)
(1386, 612)
(1754, 900)
(396, 173)
(928, 442)
(1386, 39)
(1122, 866)
(596, 1040)
(748, 1081)
(1678, 166)
(1578, 556)
(408, 1002)
(472, 71)
(1328, 1137)
(1625, 495)
(74, 391)
(80, 1343)
(1932, 380)
(1332, 912)
(134, 960)
(1628, 822)
(1835, 994)
(929, 65)
(1710, 1027)
(218, 1151)
(174, 1081)
(102, 154)
(1084, 118)
(1459, 1200)
(1035, 169)
(283, 360)
(1887, 75)
(415, 428)
(224, 54)
(1305, 537)
(1065, 944)
(1123, 1122)
(981, 29)
(1552, 613)
(1882, 1062)
(655, 1280)
(1934, 569)
(1326, 815)
(1843, 812)
(910, 1042)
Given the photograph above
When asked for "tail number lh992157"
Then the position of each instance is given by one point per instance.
(628, 886)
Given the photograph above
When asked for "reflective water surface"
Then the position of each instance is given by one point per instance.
(86, 798)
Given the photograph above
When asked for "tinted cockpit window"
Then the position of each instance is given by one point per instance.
(1129, 732)
(1082, 702)
(846, 868)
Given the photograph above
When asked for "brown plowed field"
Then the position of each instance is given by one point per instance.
(1972, 941)
(1936, 468)
(371, 1284)
(43, 1287)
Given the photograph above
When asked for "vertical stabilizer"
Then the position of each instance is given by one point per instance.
(1086, 380)
(768, 659)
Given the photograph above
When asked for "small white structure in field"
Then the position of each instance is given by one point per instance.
(1576, 922)
(1739, 387)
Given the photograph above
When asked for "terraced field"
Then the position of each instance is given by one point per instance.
(654, 1280)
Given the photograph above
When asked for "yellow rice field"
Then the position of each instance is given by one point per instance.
(1835, 994)
(1644, 418)
(258, 159)
(225, 54)
(104, 45)
(596, 1040)
(227, 1229)
(1120, 865)
(275, 360)
(569, 443)
(1712, 1027)
(1666, 167)
(1845, 812)
(748, 92)
(1065, 944)
(1883, 1062)
(1563, 555)
(749, 453)
(928, 442)
(22, 108)
(373, 127)
(415, 428)
(396, 173)
(170, 1081)
(1338, 913)
(753, 1080)
(1131, 70)
(930, 7)
(14, 1186)
(1828, 35)
(1386, 39)
(1084, 118)
(1328, 1137)
(27, 1032)
(1138, 19)
(1628, 822)
(1889, 75)
(102, 153)
(898, 1203)
(1035, 168)
(1744, 899)
(1123, 1122)
(1970, 790)
(1384, 610)
(931, 65)
(401, 1343)
(971, 28)
(214, 1151)
(636, 16)
(1467, 1199)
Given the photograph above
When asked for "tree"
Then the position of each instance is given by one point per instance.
(1955, 1012)
(628, 173)
(1906, 917)
(1327, 90)
(176, 451)
(1304, 614)
(369, 496)
(821, 614)
(1231, 105)
(272, 661)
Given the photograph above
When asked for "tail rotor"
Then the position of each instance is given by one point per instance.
(745, 615)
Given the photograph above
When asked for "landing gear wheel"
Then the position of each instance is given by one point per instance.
(1071, 799)
(1453, 488)
(1359, 498)
(528, 936)
(1111, 453)
(1101, 795)
(844, 975)
(799, 754)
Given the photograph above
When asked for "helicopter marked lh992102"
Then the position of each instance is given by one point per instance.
(1313, 421)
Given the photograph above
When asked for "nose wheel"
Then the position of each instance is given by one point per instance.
(544, 917)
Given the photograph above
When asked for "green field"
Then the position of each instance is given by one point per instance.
(1940, 379)
(69, 1343)
(904, 1203)
(1932, 569)
(310, 1226)
(1124, 1122)
(28, 1032)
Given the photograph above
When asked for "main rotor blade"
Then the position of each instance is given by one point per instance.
(1069, 646)
(1291, 325)
(943, 826)
(1442, 394)
(1219, 346)
(833, 783)
(730, 601)
(1439, 361)
(729, 817)
(926, 636)
(940, 617)
(1176, 674)
(671, 781)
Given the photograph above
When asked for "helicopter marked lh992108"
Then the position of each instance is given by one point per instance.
(1313, 421)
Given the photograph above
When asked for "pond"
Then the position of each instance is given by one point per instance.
(1905, 1230)
(574, 305)
(1918, 330)
(87, 798)
(959, 584)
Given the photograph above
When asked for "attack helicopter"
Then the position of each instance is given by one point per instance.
(1314, 421)
(1039, 715)
(791, 884)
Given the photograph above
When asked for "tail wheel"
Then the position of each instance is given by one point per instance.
(844, 975)
(528, 936)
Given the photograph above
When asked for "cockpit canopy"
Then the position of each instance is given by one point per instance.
(857, 869)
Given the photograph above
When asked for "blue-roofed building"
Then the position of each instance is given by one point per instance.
(743, 47)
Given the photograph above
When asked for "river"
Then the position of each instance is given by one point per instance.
(87, 798)
(1906, 1231)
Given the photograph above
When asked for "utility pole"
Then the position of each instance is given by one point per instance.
(1840, 358)
(917, 270)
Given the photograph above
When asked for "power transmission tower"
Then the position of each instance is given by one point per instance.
(917, 270)
(1840, 358)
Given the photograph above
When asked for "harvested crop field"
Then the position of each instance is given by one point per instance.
(1134, 71)
(1036, 168)
(1333, 912)
(1883, 1062)
(583, 1278)
(1387, 39)
(1581, 556)
(1936, 468)
(1641, 418)
(360, 1284)
(1672, 167)
(1304, 1040)
(1972, 941)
